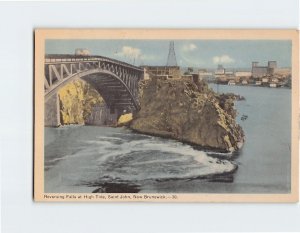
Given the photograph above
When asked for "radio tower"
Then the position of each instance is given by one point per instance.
(172, 56)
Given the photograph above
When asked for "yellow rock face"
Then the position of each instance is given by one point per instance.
(125, 119)
(76, 101)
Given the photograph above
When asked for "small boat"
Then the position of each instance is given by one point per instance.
(244, 117)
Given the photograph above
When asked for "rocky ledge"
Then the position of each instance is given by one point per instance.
(189, 112)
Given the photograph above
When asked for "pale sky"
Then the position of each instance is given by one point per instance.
(194, 53)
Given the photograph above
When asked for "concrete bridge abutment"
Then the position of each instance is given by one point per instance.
(52, 111)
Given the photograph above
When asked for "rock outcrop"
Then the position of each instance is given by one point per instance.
(76, 101)
(125, 119)
(189, 112)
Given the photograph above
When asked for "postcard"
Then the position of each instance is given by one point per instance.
(166, 115)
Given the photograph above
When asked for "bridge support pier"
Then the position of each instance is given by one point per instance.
(52, 111)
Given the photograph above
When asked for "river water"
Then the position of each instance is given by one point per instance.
(104, 159)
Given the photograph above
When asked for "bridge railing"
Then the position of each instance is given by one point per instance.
(61, 60)
(89, 59)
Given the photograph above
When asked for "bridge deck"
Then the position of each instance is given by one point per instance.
(59, 58)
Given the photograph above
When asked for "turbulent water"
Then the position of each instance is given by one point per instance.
(103, 159)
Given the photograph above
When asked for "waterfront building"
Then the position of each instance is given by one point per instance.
(243, 75)
(283, 72)
(260, 71)
(265, 80)
(205, 75)
(244, 82)
(231, 82)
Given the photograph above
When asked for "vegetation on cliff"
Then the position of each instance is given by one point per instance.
(76, 101)
(189, 112)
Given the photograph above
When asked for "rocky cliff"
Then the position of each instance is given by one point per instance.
(189, 112)
(76, 101)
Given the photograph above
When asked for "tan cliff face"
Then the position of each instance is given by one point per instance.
(76, 101)
(188, 112)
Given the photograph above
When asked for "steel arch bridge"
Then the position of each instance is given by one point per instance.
(116, 81)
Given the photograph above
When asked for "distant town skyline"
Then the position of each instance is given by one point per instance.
(193, 53)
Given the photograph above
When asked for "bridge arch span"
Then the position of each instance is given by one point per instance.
(115, 81)
(112, 88)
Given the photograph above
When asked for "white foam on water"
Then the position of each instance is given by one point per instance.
(189, 162)
(146, 158)
(222, 154)
(108, 137)
(97, 142)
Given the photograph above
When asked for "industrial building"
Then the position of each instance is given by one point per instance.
(220, 70)
(171, 70)
(204, 74)
(162, 71)
(260, 71)
(270, 75)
